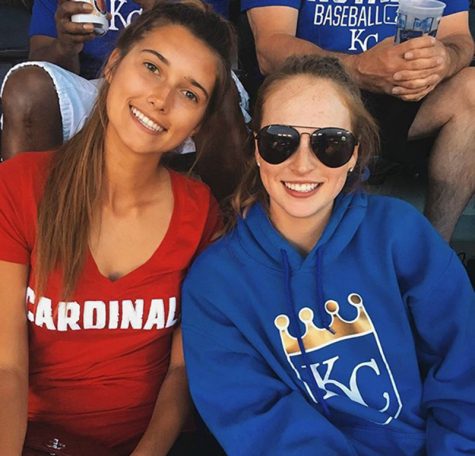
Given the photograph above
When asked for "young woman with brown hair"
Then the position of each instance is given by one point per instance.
(98, 236)
(328, 321)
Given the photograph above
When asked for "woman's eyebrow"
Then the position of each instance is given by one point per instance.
(158, 55)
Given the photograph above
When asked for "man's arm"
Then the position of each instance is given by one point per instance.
(64, 49)
(274, 29)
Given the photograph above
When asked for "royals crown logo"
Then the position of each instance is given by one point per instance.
(346, 360)
(315, 337)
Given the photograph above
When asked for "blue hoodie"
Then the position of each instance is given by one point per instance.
(363, 347)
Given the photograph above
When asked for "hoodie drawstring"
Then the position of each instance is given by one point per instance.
(322, 313)
(292, 312)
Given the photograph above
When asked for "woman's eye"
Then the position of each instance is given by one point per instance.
(151, 67)
(191, 96)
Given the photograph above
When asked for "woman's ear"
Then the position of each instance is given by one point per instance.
(256, 154)
(111, 64)
(354, 158)
(195, 130)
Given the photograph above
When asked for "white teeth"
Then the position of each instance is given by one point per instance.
(145, 121)
(303, 188)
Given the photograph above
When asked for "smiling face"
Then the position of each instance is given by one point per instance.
(301, 189)
(159, 91)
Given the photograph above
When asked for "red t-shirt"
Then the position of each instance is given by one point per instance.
(98, 360)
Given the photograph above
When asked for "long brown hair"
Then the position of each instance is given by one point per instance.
(251, 189)
(75, 181)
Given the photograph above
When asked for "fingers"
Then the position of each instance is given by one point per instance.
(418, 96)
(68, 8)
(416, 84)
(424, 63)
(425, 66)
(72, 33)
(412, 79)
(413, 94)
(418, 68)
(431, 53)
(417, 44)
(77, 31)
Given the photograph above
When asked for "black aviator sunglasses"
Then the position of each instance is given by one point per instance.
(333, 146)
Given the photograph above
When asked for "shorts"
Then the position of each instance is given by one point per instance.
(394, 118)
(76, 97)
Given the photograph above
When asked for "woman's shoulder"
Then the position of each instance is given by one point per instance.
(397, 221)
(218, 258)
(186, 184)
(26, 164)
(392, 208)
(25, 173)
(192, 194)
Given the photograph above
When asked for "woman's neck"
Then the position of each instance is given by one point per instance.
(303, 233)
(130, 179)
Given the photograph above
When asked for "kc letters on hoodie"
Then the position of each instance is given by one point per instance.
(363, 347)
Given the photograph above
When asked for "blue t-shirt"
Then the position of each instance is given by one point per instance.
(349, 26)
(97, 50)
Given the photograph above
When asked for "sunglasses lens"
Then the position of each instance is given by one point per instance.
(333, 146)
(277, 143)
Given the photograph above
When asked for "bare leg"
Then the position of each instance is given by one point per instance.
(450, 108)
(31, 114)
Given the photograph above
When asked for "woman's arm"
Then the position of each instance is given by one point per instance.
(441, 302)
(13, 358)
(444, 317)
(172, 407)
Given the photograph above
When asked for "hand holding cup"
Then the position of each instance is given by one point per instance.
(97, 17)
(71, 36)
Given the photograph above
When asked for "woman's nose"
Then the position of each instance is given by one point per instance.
(303, 159)
(160, 98)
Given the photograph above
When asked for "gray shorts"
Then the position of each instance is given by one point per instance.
(76, 95)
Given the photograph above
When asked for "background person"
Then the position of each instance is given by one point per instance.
(320, 324)
(68, 55)
(98, 236)
(431, 72)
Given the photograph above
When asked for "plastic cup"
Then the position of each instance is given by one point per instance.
(98, 16)
(417, 18)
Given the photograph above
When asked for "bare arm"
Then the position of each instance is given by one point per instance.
(274, 30)
(172, 407)
(65, 48)
(13, 358)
